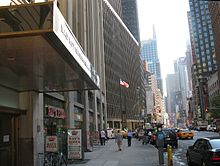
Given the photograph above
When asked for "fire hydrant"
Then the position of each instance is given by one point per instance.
(170, 156)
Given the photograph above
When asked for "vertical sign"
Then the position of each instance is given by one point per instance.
(51, 144)
(74, 144)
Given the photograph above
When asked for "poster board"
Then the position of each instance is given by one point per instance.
(74, 141)
(51, 144)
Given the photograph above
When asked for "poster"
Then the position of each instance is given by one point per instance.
(96, 138)
(74, 144)
(51, 144)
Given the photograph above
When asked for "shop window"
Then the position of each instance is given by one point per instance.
(78, 117)
(55, 123)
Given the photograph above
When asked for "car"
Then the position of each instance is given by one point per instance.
(211, 127)
(124, 133)
(205, 151)
(185, 134)
(153, 135)
(170, 137)
(110, 133)
(140, 134)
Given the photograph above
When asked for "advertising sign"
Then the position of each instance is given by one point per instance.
(96, 138)
(74, 144)
(51, 144)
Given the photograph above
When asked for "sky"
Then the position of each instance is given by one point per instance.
(171, 25)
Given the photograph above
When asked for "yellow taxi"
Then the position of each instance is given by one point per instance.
(185, 134)
(124, 133)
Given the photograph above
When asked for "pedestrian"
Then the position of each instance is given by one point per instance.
(129, 136)
(102, 135)
(119, 140)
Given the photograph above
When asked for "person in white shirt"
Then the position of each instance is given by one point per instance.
(129, 136)
(102, 137)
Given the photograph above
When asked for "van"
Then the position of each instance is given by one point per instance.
(170, 138)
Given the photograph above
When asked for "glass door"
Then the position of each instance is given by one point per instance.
(7, 146)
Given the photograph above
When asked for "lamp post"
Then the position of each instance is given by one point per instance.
(139, 111)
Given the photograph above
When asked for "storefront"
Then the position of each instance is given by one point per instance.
(78, 117)
(55, 124)
(39, 54)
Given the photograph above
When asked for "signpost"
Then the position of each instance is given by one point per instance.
(160, 145)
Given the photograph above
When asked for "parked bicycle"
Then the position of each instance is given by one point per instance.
(54, 159)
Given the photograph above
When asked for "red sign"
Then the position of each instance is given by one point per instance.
(55, 112)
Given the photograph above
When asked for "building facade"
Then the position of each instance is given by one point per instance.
(52, 77)
(205, 63)
(130, 17)
(214, 8)
(171, 88)
(122, 61)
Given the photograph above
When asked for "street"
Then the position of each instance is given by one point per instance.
(179, 154)
(108, 155)
(137, 154)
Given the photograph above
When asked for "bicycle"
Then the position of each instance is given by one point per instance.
(54, 159)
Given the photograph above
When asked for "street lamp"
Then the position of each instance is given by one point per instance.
(139, 111)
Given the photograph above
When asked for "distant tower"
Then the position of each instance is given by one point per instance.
(150, 54)
(154, 33)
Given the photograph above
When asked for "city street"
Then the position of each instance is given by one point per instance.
(137, 154)
(179, 155)
(108, 155)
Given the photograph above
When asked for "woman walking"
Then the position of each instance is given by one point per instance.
(119, 140)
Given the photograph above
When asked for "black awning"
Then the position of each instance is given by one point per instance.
(39, 52)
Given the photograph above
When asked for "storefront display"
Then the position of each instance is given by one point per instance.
(55, 131)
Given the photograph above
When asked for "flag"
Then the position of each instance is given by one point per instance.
(123, 83)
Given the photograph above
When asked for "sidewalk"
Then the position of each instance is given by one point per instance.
(108, 155)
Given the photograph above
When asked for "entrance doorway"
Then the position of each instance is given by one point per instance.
(7, 140)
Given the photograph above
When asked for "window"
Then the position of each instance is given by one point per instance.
(196, 145)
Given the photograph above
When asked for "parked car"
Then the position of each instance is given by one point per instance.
(124, 133)
(140, 134)
(211, 127)
(185, 134)
(152, 137)
(170, 138)
(205, 151)
(110, 133)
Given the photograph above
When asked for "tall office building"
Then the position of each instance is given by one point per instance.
(150, 54)
(214, 8)
(116, 5)
(50, 54)
(130, 17)
(203, 52)
(181, 89)
(189, 64)
(203, 38)
(171, 89)
(122, 61)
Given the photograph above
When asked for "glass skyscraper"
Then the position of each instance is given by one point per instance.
(202, 43)
(130, 17)
(203, 38)
(150, 54)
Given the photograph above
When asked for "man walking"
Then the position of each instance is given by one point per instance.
(102, 137)
(129, 136)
